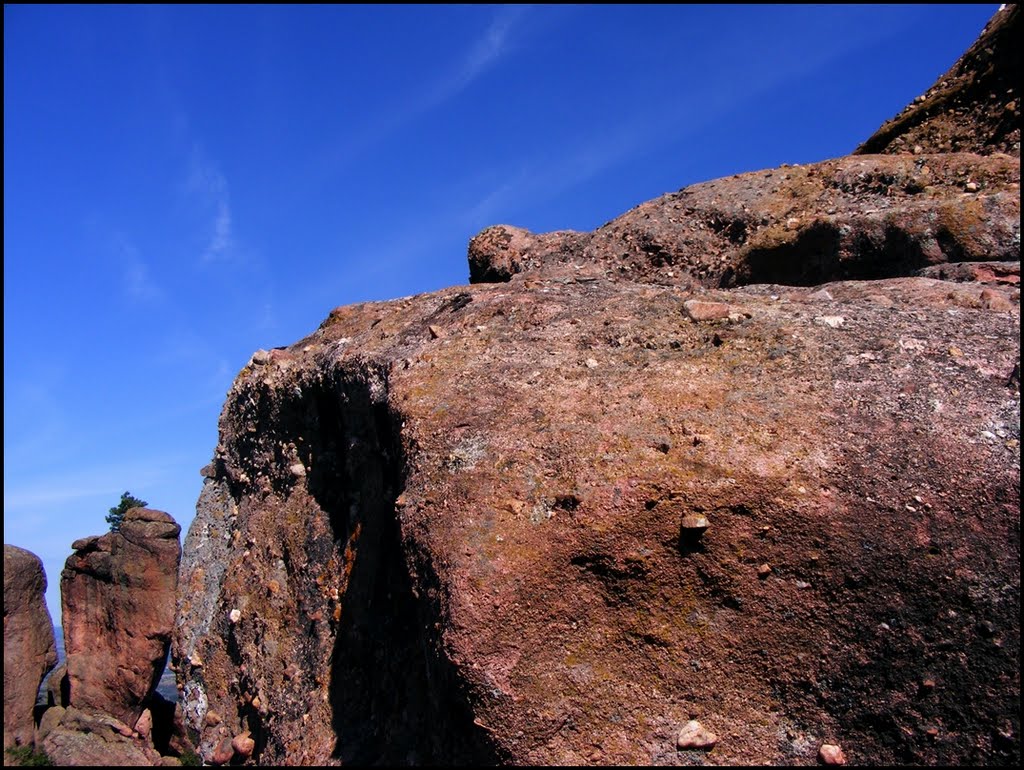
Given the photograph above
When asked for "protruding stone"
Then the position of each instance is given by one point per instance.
(694, 524)
(702, 310)
(830, 754)
(144, 726)
(243, 745)
(223, 752)
(695, 736)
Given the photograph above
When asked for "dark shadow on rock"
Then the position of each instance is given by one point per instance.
(396, 699)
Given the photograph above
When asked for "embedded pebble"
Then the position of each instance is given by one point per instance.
(223, 752)
(830, 754)
(831, 321)
(703, 310)
(693, 525)
(243, 744)
(235, 615)
(694, 736)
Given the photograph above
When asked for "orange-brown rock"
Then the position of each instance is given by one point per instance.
(29, 648)
(118, 595)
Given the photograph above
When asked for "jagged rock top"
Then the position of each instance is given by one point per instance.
(974, 107)
(23, 572)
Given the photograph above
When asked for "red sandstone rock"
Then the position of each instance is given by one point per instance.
(29, 649)
(118, 594)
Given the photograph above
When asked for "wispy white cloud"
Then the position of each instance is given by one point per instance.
(480, 55)
(81, 485)
(135, 273)
(209, 185)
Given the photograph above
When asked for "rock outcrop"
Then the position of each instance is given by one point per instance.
(865, 217)
(76, 737)
(726, 469)
(29, 648)
(974, 107)
(118, 595)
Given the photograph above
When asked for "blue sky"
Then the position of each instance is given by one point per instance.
(186, 184)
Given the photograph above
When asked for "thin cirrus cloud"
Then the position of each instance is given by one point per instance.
(542, 178)
(483, 54)
(206, 181)
(65, 488)
(136, 278)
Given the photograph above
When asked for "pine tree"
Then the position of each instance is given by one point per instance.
(116, 516)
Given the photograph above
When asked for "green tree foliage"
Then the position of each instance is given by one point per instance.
(27, 756)
(116, 515)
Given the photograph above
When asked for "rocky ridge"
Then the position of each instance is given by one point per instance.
(734, 479)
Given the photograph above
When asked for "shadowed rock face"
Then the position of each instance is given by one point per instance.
(741, 457)
(118, 594)
(29, 648)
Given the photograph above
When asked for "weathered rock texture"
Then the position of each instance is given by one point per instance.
(975, 107)
(864, 217)
(77, 737)
(118, 595)
(29, 648)
(635, 482)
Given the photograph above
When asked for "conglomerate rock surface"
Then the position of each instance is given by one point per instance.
(755, 466)
(118, 597)
(29, 647)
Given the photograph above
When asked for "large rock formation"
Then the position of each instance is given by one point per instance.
(118, 596)
(637, 500)
(29, 648)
